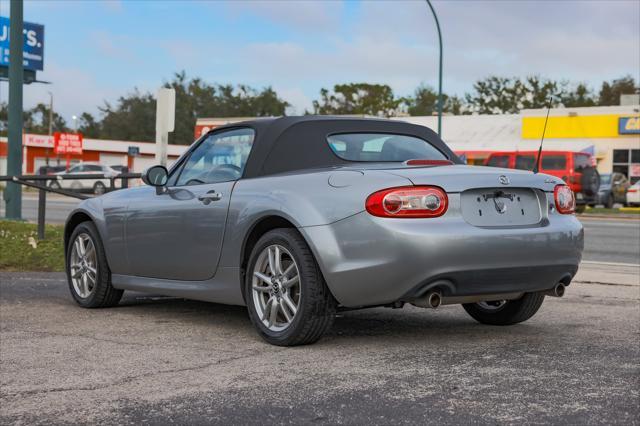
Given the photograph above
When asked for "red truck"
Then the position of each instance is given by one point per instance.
(575, 168)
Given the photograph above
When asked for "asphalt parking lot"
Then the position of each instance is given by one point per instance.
(156, 360)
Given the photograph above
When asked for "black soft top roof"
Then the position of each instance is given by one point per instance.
(297, 143)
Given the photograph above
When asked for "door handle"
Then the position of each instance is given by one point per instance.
(209, 197)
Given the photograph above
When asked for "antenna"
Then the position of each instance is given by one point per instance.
(536, 167)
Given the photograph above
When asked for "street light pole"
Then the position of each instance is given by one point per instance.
(435, 16)
(50, 113)
(13, 192)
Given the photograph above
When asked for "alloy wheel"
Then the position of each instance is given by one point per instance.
(276, 287)
(83, 266)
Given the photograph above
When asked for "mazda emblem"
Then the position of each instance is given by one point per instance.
(503, 180)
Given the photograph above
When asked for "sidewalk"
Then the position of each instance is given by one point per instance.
(608, 273)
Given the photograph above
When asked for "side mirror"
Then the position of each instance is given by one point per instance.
(156, 176)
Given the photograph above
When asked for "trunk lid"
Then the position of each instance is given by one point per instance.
(489, 197)
(459, 178)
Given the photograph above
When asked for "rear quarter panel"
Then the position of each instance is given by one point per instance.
(305, 199)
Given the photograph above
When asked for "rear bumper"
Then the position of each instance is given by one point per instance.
(369, 261)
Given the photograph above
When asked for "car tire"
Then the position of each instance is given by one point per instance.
(99, 188)
(508, 313)
(315, 306)
(590, 182)
(96, 290)
(54, 184)
(609, 203)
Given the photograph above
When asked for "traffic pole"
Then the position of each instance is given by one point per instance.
(13, 192)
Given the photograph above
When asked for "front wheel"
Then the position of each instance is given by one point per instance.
(505, 312)
(288, 301)
(88, 274)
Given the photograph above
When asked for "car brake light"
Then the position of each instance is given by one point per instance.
(408, 201)
(565, 199)
(632, 190)
(428, 162)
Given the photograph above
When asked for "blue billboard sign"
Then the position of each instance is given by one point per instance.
(33, 45)
(629, 125)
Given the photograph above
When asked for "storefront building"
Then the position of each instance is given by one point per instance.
(610, 134)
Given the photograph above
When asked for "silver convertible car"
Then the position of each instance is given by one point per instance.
(300, 217)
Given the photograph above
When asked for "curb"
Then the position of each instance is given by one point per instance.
(631, 217)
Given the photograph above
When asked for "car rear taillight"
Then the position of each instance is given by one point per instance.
(408, 201)
(565, 199)
(632, 190)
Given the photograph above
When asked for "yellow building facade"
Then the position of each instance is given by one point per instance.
(613, 132)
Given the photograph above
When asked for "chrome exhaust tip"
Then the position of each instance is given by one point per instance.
(557, 291)
(434, 299)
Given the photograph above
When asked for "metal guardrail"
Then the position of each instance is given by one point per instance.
(33, 181)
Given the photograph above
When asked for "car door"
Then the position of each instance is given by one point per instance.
(90, 169)
(72, 183)
(177, 232)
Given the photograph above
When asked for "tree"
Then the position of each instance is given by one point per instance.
(89, 127)
(195, 98)
(505, 95)
(36, 120)
(131, 118)
(357, 99)
(610, 92)
(581, 96)
(425, 102)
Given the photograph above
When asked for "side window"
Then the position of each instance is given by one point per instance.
(525, 162)
(75, 169)
(221, 157)
(554, 162)
(93, 168)
(499, 161)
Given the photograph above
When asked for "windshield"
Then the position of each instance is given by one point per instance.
(382, 147)
(605, 179)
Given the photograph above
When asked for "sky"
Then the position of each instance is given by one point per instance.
(96, 51)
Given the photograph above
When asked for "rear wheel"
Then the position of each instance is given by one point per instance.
(288, 301)
(88, 274)
(505, 312)
(99, 188)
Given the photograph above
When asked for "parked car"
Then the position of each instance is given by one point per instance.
(298, 217)
(96, 186)
(50, 170)
(633, 194)
(613, 189)
(574, 168)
